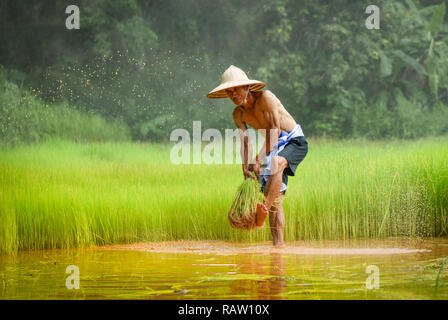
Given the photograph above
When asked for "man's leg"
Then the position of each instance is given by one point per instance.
(277, 221)
(272, 188)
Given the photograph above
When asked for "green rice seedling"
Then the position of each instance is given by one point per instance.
(242, 213)
(62, 194)
(438, 282)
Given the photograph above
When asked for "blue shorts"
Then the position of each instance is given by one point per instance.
(294, 152)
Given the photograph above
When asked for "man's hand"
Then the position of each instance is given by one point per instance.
(247, 172)
(256, 167)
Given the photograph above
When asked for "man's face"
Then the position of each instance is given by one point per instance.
(237, 94)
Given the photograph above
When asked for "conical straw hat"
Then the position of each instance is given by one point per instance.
(234, 77)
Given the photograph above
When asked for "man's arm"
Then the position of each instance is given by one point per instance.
(271, 115)
(246, 148)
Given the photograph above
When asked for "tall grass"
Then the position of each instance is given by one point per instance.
(64, 194)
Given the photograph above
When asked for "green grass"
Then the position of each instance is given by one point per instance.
(64, 194)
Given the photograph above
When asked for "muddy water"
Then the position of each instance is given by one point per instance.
(219, 270)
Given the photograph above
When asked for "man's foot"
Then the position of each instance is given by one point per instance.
(262, 213)
(279, 245)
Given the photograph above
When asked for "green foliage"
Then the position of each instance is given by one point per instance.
(151, 63)
(118, 26)
(145, 93)
(26, 118)
(346, 72)
(436, 22)
(410, 61)
(385, 65)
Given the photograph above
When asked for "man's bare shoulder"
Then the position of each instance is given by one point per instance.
(268, 94)
(268, 100)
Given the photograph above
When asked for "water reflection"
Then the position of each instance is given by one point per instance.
(275, 286)
(274, 275)
(270, 283)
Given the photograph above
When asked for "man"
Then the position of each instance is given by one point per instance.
(284, 147)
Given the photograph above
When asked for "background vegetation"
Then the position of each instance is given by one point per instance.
(136, 70)
(149, 64)
(27, 118)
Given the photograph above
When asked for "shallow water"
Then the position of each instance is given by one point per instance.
(218, 270)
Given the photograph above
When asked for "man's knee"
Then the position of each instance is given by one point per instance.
(278, 164)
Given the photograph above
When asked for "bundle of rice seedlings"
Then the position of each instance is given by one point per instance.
(243, 211)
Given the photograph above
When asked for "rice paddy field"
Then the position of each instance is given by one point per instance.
(139, 227)
(64, 195)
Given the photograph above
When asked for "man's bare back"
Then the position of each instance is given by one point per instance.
(267, 113)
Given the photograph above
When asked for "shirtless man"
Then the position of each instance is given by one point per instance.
(264, 112)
